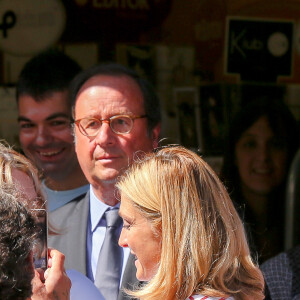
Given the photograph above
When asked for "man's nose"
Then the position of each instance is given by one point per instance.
(43, 135)
(105, 135)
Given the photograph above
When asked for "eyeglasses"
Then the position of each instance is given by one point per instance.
(119, 124)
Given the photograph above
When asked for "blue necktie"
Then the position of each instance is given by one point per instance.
(109, 266)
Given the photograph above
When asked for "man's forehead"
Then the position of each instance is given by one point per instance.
(121, 83)
(110, 94)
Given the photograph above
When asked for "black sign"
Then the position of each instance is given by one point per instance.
(259, 50)
(8, 21)
(107, 20)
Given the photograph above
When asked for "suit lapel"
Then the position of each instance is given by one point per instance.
(71, 223)
(77, 236)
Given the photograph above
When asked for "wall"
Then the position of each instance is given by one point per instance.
(180, 43)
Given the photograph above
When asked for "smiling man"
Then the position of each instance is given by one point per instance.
(44, 116)
(117, 114)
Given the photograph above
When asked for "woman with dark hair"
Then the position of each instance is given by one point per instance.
(261, 144)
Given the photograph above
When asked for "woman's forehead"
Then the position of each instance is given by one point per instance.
(25, 183)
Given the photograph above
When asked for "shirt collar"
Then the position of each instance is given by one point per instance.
(97, 209)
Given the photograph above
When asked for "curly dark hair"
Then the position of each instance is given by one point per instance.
(17, 233)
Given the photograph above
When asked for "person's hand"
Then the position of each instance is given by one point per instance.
(56, 284)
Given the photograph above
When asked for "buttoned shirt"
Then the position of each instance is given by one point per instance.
(96, 233)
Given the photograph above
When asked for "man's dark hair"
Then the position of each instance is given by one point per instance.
(151, 100)
(48, 72)
(17, 233)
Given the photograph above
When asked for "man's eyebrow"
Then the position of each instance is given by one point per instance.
(49, 118)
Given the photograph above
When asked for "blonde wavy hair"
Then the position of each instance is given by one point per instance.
(204, 249)
(10, 160)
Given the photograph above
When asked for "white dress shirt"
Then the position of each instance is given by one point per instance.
(96, 233)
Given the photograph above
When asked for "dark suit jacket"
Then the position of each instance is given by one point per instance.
(282, 275)
(71, 222)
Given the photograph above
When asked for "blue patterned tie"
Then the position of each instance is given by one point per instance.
(109, 265)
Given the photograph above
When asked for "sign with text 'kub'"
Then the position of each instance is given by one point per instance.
(259, 50)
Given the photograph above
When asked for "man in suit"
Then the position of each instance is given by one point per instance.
(44, 116)
(117, 114)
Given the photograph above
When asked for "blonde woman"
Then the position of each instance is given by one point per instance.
(19, 183)
(18, 170)
(188, 239)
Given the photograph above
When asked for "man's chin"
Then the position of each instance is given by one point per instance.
(108, 177)
(52, 170)
(54, 175)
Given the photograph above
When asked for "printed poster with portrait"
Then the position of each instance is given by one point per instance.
(202, 117)
(188, 121)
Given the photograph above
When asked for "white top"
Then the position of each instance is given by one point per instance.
(56, 199)
(95, 236)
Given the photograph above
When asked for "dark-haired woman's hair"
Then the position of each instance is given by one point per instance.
(285, 129)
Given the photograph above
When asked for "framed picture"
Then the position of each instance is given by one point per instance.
(259, 49)
(188, 117)
(212, 100)
(137, 57)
